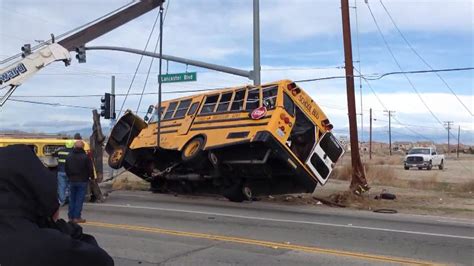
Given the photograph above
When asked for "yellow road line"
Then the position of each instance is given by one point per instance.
(262, 243)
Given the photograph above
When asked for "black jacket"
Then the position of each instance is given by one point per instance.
(28, 235)
(79, 166)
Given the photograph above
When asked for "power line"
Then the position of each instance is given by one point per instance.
(53, 104)
(360, 78)
(301, 81)
(138, 65)
(377, 76)
(399, 66)
(57, 104)
(422, 59)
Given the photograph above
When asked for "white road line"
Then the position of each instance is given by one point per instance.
(282, 220)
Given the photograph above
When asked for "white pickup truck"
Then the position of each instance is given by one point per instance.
(423, 157)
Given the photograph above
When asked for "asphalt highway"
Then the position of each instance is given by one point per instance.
(141, 228)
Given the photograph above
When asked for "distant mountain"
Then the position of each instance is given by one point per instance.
(381, 135)
(85, 132)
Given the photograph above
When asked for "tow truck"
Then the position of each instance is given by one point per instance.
(33, 60)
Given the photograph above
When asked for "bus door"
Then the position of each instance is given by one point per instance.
(325, 153)
(190, 115)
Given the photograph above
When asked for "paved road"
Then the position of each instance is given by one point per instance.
(140, 228)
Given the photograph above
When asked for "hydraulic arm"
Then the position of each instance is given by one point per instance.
(31, 62)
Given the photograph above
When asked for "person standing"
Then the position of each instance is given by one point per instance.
(79, 170)
(31, 232)
(63, 182)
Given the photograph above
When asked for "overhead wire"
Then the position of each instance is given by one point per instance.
(139, 64)
(399, 66)
(360, 68)
(422, 59)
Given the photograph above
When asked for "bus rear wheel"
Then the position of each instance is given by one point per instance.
(192, 149)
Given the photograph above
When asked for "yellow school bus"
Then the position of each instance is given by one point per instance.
(42, 147)
(239, 142)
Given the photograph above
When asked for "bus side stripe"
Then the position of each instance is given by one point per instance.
(229, 126)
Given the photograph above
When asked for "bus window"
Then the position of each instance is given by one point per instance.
(288, 104)
(210, 104)
(169, 113)
(154, 117)
(224, 102)
(269, 97)
(238, 103)
(253, 99)
(193, 108)
(182, 108)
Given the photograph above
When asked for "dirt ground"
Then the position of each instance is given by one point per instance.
(447, 192)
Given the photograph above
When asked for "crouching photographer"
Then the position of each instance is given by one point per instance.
(30, 231)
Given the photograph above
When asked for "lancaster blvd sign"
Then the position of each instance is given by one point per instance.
(179, 77)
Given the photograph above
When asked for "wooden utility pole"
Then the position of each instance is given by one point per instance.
(390, 130)
(359, 182)
(459, 137)
(370, 136)
(448, 127)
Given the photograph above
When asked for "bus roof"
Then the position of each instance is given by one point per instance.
(219, 90)
(33, 140)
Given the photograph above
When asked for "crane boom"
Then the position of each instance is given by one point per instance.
(17, 72)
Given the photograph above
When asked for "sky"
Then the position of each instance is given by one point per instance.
(300, 39)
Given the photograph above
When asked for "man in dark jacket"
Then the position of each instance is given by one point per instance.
(30, 231)
(79, 170)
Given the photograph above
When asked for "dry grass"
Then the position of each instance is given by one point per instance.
(385, 175)
(386, 160)
(378, 174)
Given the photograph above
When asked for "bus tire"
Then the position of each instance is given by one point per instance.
(192, 149)
(117, 156)
(238, 193)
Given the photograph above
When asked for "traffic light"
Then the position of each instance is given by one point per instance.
(105, 106)
(25, 50)
(81, 54)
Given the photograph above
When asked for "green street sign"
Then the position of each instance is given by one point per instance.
(179, 77)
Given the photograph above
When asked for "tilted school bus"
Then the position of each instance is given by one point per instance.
(239, 142)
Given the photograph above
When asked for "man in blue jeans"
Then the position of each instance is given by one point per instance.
(79, 170)
(63, 182)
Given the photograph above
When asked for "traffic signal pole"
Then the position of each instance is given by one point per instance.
(158, 109)
(256, 43)
(359, 182)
